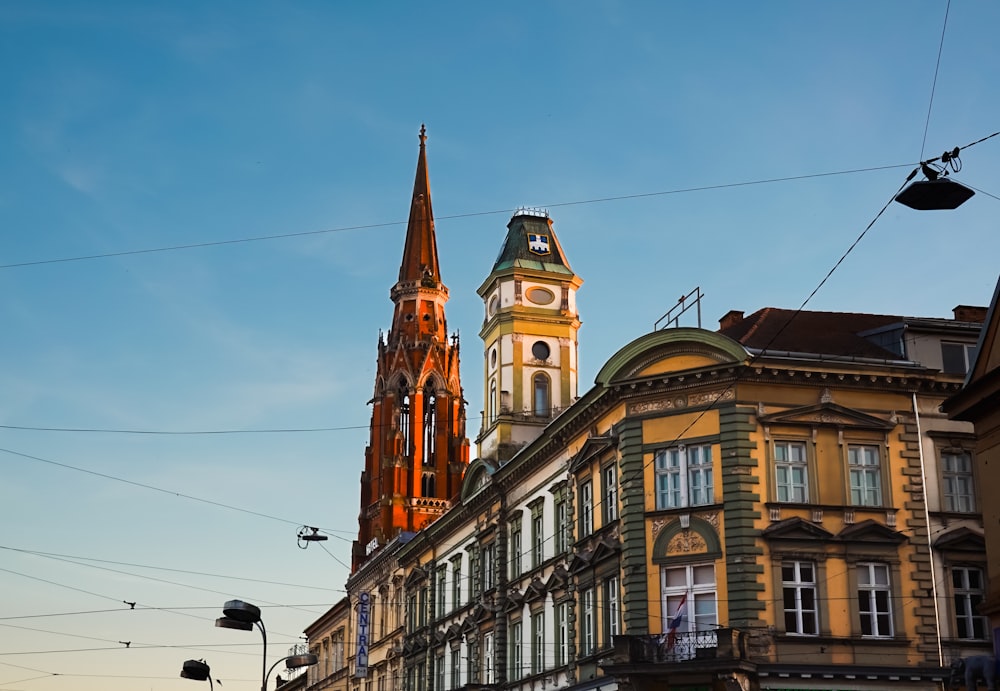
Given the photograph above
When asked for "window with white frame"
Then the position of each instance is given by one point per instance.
(514, 646)
(489, 559)
(865, 469)
(798, 588)
(456, 669)
(588, 619)
(562, 634)
(875, 600)
(957, 487)
(439, 672)
(586, 508)
(442, 590)
(537, 533)
(612, 610)
(957, 358)
(488, 677)
(475, 571)
(561, 515)
(791, 477)
(456, 582)
(689, 590)
(538, 642)
(515, 546)
(684, 476)
(610, 493)
(968, 592)
(472, 661)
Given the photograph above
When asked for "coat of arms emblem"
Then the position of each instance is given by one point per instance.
(538, 244)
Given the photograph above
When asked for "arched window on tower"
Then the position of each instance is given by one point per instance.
(541, 399)
(430, 426)
(404, 421)
(491, 414)
(427, 485)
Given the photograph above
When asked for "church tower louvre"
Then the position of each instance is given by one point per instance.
(418, 450)
(529, 334)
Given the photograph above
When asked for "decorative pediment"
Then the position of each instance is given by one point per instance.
(558, 579)
(469, 624)
(477, 476)
(595, 445)
(961, 539)
(827, 413)
(796, 529)
(481, 613)
(535, 591)
(607, 546)
(454, 631)
(870, 531)
(417, 575)
(514, 601)
(580, 561)
(439, 636)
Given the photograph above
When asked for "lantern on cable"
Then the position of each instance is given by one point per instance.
(938, 191)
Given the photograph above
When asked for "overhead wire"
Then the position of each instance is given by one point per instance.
(937, 67)
(65, 557)
(370, 226)
(158, 489)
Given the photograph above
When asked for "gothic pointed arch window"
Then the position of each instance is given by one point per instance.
(403, 423)
(427, 485)
(541, 395)
(430, 425)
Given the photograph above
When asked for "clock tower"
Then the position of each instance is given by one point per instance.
(529, 334)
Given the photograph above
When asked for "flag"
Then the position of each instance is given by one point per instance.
(675, 623)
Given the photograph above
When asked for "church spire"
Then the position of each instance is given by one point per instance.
(420, 260)
(418, 450)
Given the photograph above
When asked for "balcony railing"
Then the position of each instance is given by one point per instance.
(717, 644)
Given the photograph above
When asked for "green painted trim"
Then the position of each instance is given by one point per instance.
(633, 526)
(724, 345)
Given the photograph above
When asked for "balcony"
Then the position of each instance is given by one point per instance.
(694, 656)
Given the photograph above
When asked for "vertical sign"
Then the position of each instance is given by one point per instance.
(361, 657)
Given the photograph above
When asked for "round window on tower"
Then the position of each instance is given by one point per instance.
(493, 358)
(540, 349)
(540, 296)
(494, 304)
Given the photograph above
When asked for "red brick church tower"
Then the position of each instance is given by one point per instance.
(418, 450)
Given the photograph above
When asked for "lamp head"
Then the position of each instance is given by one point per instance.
(230, 623)
(304, 660)
(241, 611)
(934, 195)
(195, 669)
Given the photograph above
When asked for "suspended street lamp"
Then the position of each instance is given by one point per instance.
(938, 192)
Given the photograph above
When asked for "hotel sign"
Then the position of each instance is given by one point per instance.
(361, 657)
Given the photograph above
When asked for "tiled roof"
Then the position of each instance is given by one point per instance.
(825, 333)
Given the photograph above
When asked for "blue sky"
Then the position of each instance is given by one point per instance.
(137, 126)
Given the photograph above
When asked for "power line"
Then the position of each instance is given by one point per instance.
(369, 226)
(157, 489)
(65, 557)
(937, 67)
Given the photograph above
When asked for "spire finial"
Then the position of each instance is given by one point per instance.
(423, 134)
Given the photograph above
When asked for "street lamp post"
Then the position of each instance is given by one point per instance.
(244, 616)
